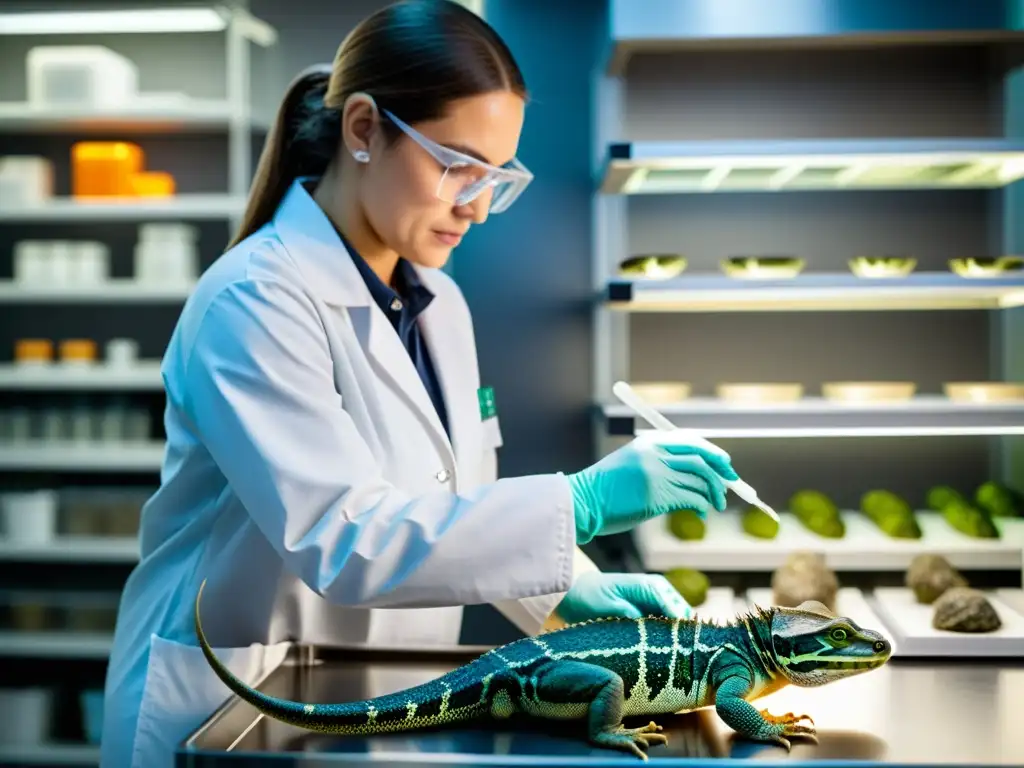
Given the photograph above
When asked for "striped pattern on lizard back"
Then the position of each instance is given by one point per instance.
(664, 665)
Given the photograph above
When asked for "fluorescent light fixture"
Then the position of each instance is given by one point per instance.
(704, 167)
(798, 432)
(821, 292)
(134, 21)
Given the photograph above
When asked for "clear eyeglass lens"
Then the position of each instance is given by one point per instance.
(462, 184)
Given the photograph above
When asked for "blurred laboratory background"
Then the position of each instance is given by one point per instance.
(790, 225)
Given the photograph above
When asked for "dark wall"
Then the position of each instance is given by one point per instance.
(526, 272)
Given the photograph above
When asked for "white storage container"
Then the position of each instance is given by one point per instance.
(86, 76)
(31, 262)
(25, 180)
(61, 262)
(122, 353)
(166, 253)
(29, 518)
(28, 716)
(90, 263)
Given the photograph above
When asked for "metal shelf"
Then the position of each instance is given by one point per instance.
(206, 207)
(191, 115)
(59, 376)
(98, 457)
(56, 644)
(727, 547)
(652, 167)
(669, 26)
(824, 292)
(50, 754)
(119, 290)
(817, 417)
(73, 549)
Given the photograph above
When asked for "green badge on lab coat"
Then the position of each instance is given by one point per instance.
(488, 409)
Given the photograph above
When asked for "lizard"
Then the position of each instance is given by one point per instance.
(602, 670)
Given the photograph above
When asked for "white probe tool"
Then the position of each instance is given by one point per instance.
(626, 394)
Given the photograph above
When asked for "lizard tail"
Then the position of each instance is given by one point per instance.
(458, 696)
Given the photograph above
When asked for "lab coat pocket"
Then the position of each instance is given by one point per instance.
(182, 690)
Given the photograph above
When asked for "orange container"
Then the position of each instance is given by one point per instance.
(153, 184)
(33, 350)
(105, 168)
(78, 350)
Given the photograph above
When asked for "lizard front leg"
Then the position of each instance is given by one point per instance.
(575, 688)
(747, 721)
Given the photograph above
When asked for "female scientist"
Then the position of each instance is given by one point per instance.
(330, 462)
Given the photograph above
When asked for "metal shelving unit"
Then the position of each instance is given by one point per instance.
(194, 207)
(73, 549)
(191, 115)
(231, 116)
(777, 166)
(142, 376)
(816, 417)
(726, 547)
(637, 167)
(56, 644)
(85, 457)
(815, 292)
(50, 754)
(119, 291)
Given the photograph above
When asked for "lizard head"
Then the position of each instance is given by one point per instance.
(813, 646)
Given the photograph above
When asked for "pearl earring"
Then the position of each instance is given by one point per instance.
(361, 156)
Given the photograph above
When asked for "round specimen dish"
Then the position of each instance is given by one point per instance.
(759, 394)
(662, 391)
(868, 391)
(657, 266)
(990, 266)
(882, 266)
(763, 267)
(984, 391)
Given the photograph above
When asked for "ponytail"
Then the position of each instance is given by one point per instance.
(301, 142)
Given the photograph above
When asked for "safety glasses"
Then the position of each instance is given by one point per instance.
(465, 178)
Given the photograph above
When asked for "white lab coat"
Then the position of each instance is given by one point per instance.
(308, 479)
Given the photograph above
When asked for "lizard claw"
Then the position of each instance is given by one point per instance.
(788, 725)
(633, 740)
(787, 719)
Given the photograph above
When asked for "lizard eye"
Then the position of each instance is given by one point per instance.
(838, 634)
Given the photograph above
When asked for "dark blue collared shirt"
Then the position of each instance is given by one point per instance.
(402, 307)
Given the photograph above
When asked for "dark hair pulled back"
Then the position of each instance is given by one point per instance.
(413, 57)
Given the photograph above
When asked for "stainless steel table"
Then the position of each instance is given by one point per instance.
(906, 714)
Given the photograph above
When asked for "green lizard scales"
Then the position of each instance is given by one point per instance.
(604, 670)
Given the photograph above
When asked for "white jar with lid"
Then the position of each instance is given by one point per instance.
(90, 263)
(167, 253)
(31, 262)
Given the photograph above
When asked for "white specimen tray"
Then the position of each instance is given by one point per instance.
(1013, 598)
(911, 624)
(850, 603)
(719, 605)
(727, 547)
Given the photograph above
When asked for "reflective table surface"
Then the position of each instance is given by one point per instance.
(907, 713)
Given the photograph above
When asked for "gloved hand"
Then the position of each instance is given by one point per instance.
(655, 473)
(629, 595)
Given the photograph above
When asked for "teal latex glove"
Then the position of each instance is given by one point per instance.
(656, 473)
(627, 595)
